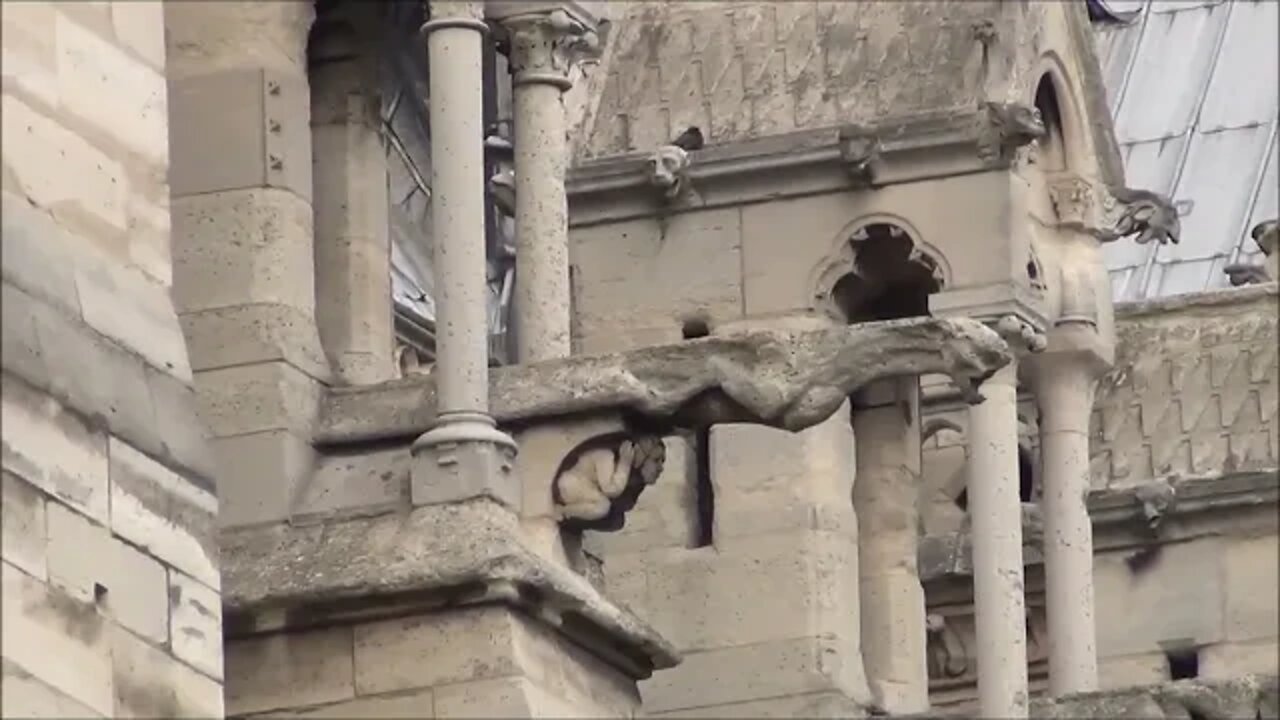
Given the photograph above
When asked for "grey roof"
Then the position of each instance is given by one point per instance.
(1192, 86)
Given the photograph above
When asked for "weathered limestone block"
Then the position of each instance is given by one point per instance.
(1251, 582)
(59, 641)
(695, 597)
(161, 512)
(723, 677)
(1186, 586)
(23, 527)
(445, 555)
(54, 450)
(806, 705)
(289, 670)
(767, 480)
(149, 682)
(485, 644)
(632, 289)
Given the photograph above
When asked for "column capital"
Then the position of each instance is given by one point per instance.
(1023, 335)
(547, 39)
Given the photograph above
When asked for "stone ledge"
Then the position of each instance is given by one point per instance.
(1250, 696)
(892, 150)
(428, 559)
(1191, 301)
(785, 379)
(1113, 512)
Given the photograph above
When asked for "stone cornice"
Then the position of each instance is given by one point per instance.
(412, 562)
(1117, 519)
(895, 150)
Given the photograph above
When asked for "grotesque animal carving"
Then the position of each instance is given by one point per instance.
(667, 166)
(1147, 215)
(601, 482)
(860, 150)
(1010, 126)
(1267, 236)
(947, 655)
(1156, 499)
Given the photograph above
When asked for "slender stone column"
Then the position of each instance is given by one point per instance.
(995, 514)
(1064, 383)
(542, 45)
(886, 489)
(465, 454)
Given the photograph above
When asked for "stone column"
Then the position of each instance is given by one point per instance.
(464, 455)
(542, 46)
(1064, 381)
(353, 246)
(886, 489)
(995, 513)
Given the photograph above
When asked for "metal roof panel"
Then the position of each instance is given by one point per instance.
(1239, 94)
(1175, 56)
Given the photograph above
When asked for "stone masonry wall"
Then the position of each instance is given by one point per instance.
(111, 600)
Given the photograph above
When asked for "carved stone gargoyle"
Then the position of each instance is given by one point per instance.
(786, 379)
(1267, 237)
(601, 480)
(666, 169)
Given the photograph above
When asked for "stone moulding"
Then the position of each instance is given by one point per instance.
(894, 150)
(416, 562)
(1118, 520)
(784, 379)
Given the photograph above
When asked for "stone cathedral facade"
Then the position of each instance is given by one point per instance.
(470, 359)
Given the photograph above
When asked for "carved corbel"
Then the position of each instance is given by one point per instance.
(1020, 334)
(1267, 237)
(602, 478)
(860, 151)
(1007, 127)
(667, 171)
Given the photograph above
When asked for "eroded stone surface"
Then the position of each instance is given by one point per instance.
(790, 380)
(443, 555)
(1245, 697)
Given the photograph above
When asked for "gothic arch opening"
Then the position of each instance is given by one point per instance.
(891, 277)
(1051, 152)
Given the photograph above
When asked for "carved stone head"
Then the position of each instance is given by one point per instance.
(666, 168)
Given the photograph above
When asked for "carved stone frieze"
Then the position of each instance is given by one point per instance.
(786, 379)
(602, 479)
(1267, 237)
(1193, 391)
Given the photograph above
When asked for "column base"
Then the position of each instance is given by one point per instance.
(464, 457)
